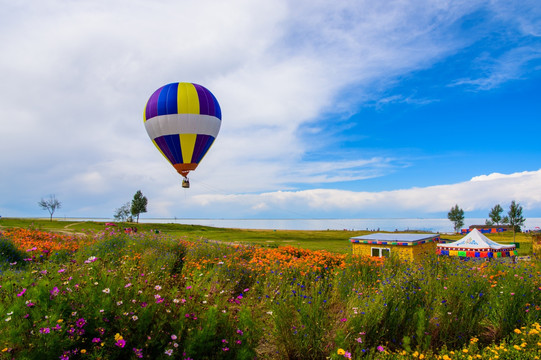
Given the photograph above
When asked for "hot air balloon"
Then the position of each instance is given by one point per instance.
(183, 120)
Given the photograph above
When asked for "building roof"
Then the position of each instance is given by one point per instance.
(396, 237)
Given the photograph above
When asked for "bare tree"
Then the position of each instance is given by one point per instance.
(51, 204)
(123, 213)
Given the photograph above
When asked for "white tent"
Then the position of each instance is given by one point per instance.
(475, 244)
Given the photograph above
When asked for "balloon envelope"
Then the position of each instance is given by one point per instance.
(183, 120)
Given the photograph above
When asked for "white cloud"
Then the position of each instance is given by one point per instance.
(478, 194)
(76, 76)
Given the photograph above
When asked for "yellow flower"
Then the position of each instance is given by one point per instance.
(465, 351)
(523, 344)
(339, 352)
(446, 357)
(119, 337)
(415, 354)
(474, 340)
(517, 331)
(59, 320)
(421, 356)
(517, 347)
(83, 351)
(4, 349)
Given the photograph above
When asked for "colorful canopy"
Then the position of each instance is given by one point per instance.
(476, 244)
(183, 119)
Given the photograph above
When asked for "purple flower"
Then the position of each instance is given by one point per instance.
(81, 322)
(120, 343)
(381, 348)
(21, 293)
(138, 352)
(96, 340)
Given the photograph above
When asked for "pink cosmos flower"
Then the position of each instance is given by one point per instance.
(120, 343)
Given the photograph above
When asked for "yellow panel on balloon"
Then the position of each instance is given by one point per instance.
(187, 99)
(187, 144)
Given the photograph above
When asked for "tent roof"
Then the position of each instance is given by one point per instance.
(399, 237)
(476, 240)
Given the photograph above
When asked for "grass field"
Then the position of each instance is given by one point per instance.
(330, 240)
(88, 291)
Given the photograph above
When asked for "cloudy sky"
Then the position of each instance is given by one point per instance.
(339, 109)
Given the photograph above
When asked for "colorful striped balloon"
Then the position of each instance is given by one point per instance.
(183, 120)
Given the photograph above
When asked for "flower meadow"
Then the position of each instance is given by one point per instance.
(118, 295)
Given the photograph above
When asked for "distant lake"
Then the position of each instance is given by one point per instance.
(392, 224)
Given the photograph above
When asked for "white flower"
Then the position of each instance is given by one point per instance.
(134, 318)
(157, 287)
(8, 318)
(106, 290)
(90, 260)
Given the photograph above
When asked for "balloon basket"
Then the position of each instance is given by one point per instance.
(186, 183)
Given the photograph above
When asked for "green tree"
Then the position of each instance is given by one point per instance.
(495, 215)
(514, 217)
(51, 204)
(456, 215)
(138, 204)
(123, 213)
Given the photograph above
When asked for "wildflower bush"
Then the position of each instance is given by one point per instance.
(117, 295)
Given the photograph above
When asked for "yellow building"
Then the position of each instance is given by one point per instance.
(536, 245)
(407, 246)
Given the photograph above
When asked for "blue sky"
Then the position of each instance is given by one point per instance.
(339, 109)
